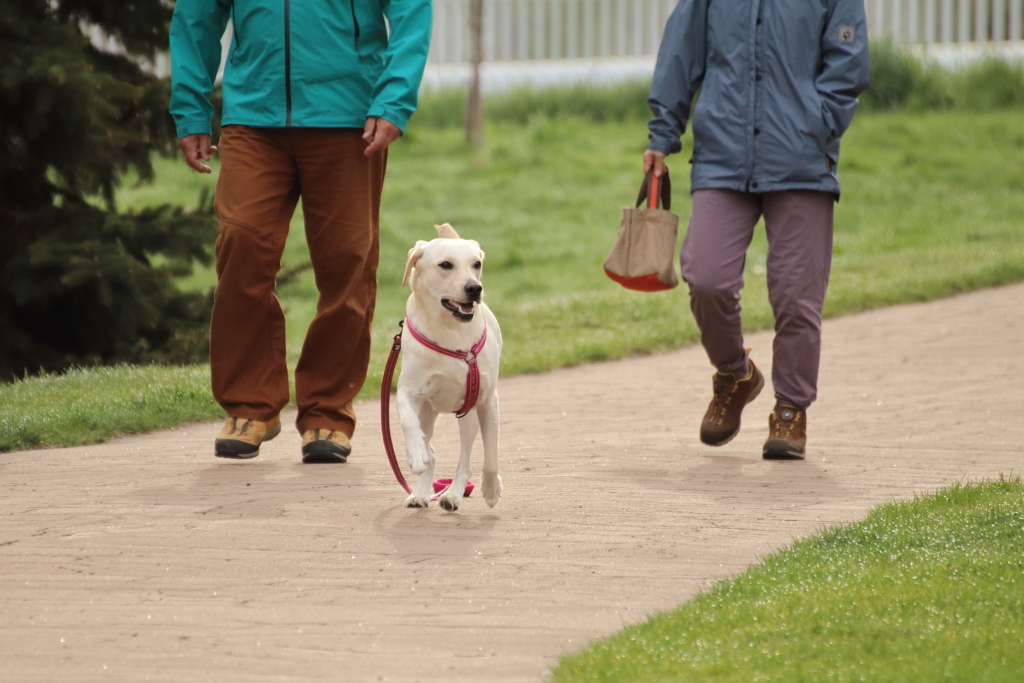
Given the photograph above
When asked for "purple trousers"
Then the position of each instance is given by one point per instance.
(798, 225)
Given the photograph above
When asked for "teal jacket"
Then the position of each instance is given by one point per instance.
(298, 63)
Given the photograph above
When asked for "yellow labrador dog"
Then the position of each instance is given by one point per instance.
(452, 346)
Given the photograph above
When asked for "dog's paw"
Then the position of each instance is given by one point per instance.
(450, 502)
(491, 489)
(417, 463)
(415, 501)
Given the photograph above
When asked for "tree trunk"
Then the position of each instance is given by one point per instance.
(474, 103)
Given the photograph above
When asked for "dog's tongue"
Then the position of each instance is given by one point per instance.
(465, 308)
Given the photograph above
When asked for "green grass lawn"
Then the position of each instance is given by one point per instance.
(930, 207)
(926, 590)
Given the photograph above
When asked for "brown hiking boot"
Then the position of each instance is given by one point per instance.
(787, 433)
(722, 421)
(241, 438)
(325, 446)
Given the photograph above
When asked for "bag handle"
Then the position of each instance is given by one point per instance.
(654, 190)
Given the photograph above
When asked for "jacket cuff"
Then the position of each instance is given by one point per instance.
(664, 146)
(192, 127)
(392, 116)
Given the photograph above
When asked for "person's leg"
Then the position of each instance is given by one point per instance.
(341, 192)
(799, 229)
(712, 258)
(256, 196)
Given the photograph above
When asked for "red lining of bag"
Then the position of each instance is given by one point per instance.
(644, 283)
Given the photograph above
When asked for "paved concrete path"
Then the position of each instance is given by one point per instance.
(147, 559)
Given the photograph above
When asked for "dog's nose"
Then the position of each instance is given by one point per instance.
(473, 290)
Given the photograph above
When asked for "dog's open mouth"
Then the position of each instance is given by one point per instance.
(462, 311)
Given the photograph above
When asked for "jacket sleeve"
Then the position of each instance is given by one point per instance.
(397, 90)
(195, 47)
(844, 68)
(678, 74)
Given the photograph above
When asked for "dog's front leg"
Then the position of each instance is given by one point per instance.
(489, 426)
(469, 425)
(411, 414)
(417, 419)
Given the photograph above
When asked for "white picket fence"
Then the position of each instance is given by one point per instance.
(518, 30)
(947, 22)
(553, 41)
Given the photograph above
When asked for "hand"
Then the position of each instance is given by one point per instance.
(196, 147)
(378, 134)
(656, 161)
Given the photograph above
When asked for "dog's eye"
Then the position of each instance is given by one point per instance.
(477, 265)
(445, 265)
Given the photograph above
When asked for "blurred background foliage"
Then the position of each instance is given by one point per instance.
(82, 283)
(85, 282)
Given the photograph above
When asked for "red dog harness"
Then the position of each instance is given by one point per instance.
(472, 372)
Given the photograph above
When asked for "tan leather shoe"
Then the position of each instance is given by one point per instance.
(787, 433)
(241, 437)
(325, 446)
(722, 419)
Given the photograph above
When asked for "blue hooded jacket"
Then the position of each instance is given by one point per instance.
(778, 84)
(301, 63)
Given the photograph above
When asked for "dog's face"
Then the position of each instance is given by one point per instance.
(447, 271)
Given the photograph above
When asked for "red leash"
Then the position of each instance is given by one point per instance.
(472, 392)
(385, 407)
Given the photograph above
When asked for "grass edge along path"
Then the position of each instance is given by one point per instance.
(921, 590)
(84, 406)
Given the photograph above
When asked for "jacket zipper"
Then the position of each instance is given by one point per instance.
(758, 18)
(355, 23)
(287, 66)
(288, 56)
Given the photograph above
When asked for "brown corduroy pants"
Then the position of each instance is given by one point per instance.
(264, 172)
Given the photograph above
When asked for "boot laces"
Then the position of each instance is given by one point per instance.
(784, 428)
(723, 392)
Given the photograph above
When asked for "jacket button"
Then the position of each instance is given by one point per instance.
(757, 131)
(757, 77)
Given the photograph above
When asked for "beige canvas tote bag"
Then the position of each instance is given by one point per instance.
(644, 254)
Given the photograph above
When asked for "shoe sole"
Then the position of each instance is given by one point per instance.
(223, 451)
(777, 449)
(233, 449)
(724, 441)
(323, 458)
(323, 452)
(753, 394)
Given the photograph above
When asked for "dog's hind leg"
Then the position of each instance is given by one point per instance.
(489, 426)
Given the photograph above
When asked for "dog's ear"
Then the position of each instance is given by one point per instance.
(447, 231)
(410, 262)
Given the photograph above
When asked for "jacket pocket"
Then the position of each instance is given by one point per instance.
(816, 123)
